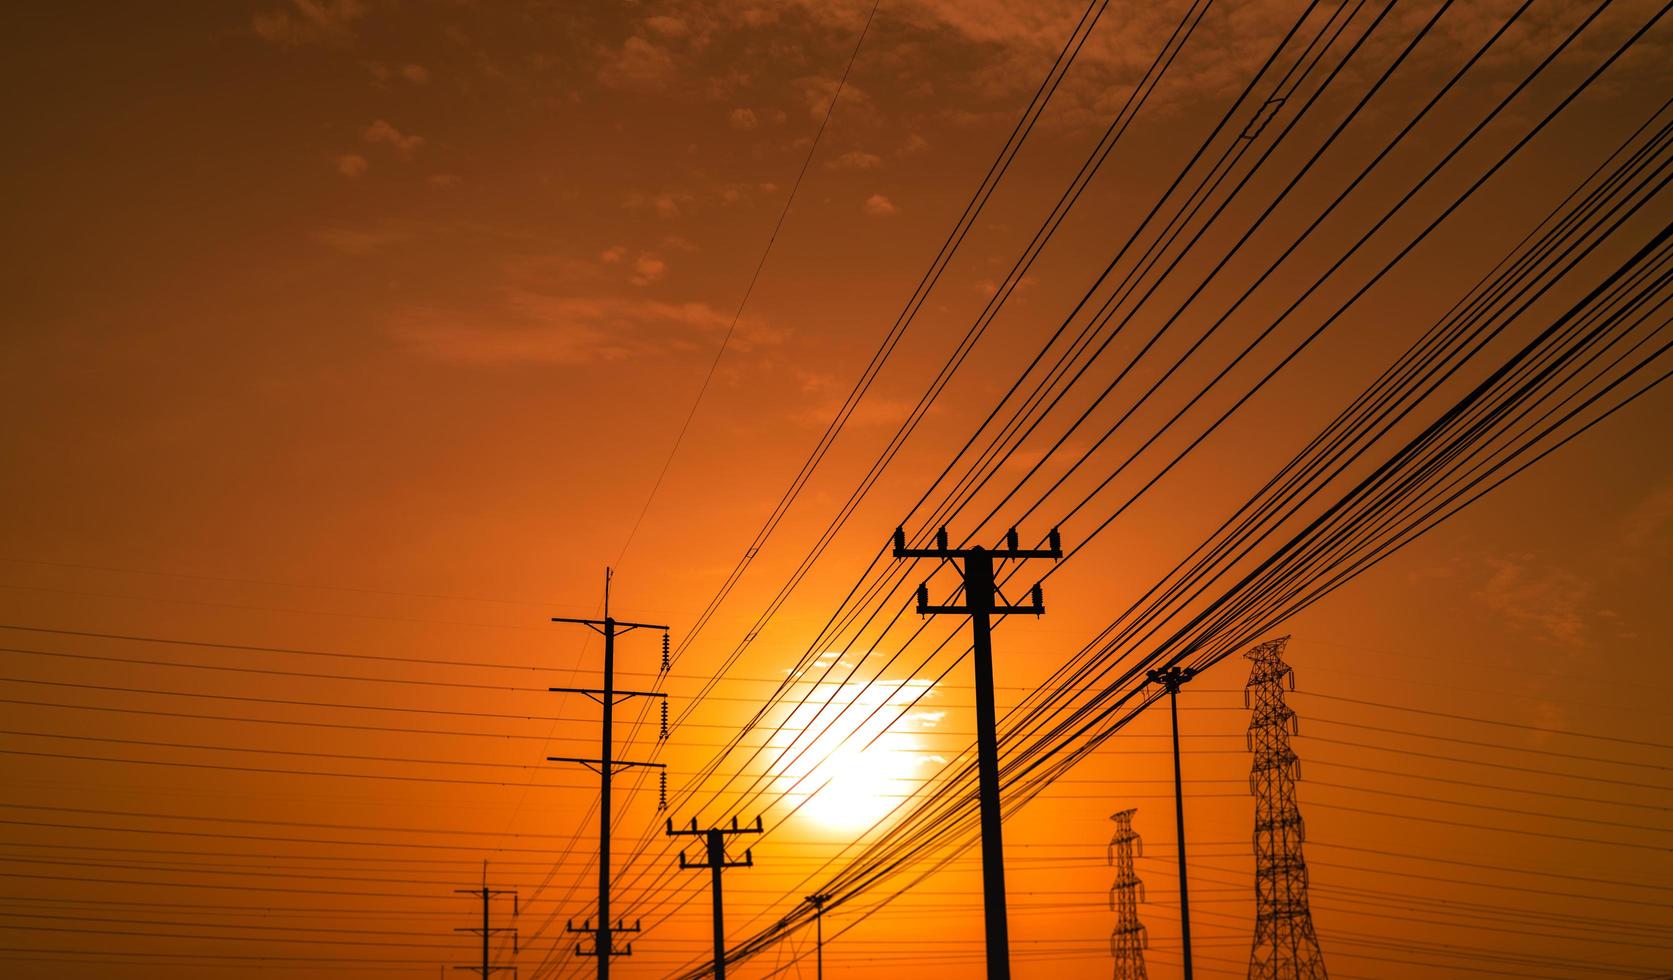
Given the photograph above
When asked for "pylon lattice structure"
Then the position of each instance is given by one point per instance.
(1129, 940)
(1285, 948)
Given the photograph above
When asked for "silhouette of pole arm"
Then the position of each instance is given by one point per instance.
(1013, 547)
(597, 765)
(600, 625)
(587, 928)
(599, 693)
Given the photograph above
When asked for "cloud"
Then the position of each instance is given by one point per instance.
(666, 26)
(743, 119)
(357, 241)
(1540, 599)
(381, 132)
(668, 204)
(640, 66)
(613, 254)
(878, 206)
(351, 165)
(416, 74)
(856, 160)
(443, 180)
(817, 94)
(309, 22)
(537, 329)
(1646, 522)
(647, 268)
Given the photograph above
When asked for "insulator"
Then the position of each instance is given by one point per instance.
(665, 651)
(662, 791)
(664, 735)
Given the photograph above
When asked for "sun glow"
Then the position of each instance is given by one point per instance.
(853, 753)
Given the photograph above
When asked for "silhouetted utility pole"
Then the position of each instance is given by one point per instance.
(1172, 678)
(982, 600)
(486, 930)
(716, 861)
(606, 765)
(818, 903)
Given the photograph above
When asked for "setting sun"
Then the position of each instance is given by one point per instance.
(786, 489)
(860, 787)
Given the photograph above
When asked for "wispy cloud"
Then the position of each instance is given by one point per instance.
(309, 22)
(531, 328)
(351, 164)
(382, 133)
(879, 206)
(1537, 598)
(358, 241)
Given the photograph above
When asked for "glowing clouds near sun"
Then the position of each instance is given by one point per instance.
(852, 752)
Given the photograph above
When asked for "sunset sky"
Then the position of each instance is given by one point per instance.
(349, 341)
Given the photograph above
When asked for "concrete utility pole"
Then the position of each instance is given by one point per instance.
(1172, 678)
(980, 595)
(606, 765)
(486, 930)
(716, 861)
(818, 903)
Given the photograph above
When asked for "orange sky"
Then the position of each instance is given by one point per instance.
(361, 327)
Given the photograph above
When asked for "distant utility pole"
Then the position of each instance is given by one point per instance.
(1285, 947)
(486, 930)
(1171, 678)
(983, 600)
(716, 861)
(818, 903)
(1128, 941)
(606, 765)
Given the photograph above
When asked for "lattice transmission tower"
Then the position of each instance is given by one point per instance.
(1285, 948)
(1129, 940)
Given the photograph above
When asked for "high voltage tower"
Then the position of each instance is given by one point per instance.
(1286, 947)
(487, 930)
(977, 564)
(715, 859)
(1129, 940)
(606, 765)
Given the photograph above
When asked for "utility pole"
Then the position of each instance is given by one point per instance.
(486, 930)
(818, 903)
(1171, 678)
(606, 765)
(716, 861)
(980, 594)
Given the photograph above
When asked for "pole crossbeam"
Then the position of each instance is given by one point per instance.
(599, 694)
(606, 765)
(586, 928)
(982, 601)
(597, 765)
(716, 861)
